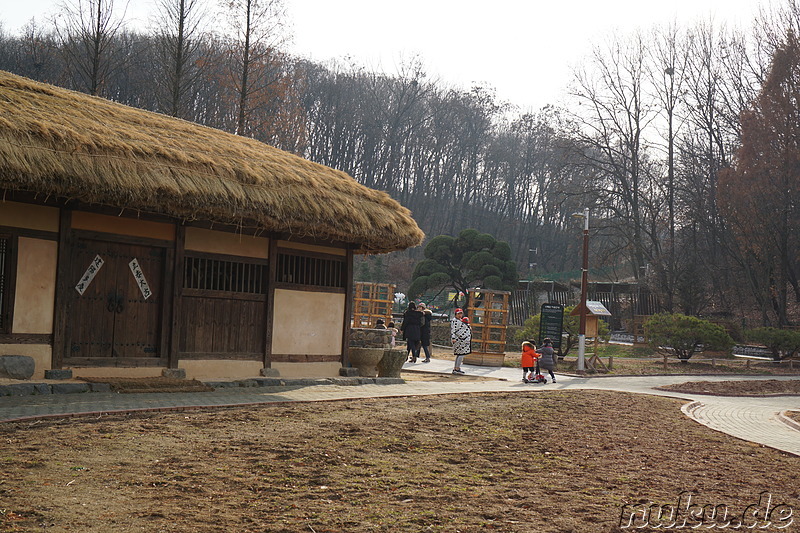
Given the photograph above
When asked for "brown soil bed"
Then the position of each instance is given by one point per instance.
(765, 387)
(152, 384)
(557, 461)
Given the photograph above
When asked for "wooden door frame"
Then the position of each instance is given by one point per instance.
(66, 242)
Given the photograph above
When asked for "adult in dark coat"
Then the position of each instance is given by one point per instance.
(426, 331)
(412, 330)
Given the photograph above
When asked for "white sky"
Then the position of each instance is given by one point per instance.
(523, 48)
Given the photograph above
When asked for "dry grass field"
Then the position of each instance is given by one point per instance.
(549, 461)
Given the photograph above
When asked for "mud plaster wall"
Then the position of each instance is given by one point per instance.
(215, 369)
(308, 370)
(34, 300)
(220, 242)
(312, 248)
(308, 323)
(18, 215)
(123, 226)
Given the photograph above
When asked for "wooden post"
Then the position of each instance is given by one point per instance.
(348, 307)
(177, 291)
(665, 362)
(610, 362)
(272, 255)
(61, 310)
(747, 364)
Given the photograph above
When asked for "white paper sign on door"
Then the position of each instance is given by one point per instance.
(88, 276)
(138, 275)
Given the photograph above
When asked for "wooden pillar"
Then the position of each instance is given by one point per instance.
(61, 310)
(348, 306)
(177, 290)
(272, 257)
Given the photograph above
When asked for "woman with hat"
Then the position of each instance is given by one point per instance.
(461, 336)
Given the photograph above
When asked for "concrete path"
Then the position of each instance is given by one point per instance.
(754, 419)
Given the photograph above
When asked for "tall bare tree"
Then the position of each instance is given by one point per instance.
(87, 29)
(258, 28)
(614, 112)
(761, 193)
(668, 70)
(179, 43)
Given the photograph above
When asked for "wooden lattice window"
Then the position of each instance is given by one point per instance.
(211, 274)
(311, 270)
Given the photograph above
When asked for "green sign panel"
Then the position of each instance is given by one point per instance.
(551, 324)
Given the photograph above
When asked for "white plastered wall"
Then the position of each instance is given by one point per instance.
(307, 323)
(34, 300)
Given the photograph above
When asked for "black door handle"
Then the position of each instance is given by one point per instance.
(120, 302)
(112, 301)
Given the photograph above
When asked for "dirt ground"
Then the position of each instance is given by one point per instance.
(552, 461)
(767, 387)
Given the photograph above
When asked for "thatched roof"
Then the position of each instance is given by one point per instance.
(74, 146)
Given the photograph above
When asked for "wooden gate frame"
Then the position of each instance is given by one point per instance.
(485, 321)
(372, 301)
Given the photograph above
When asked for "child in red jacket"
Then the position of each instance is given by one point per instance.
(529, 358)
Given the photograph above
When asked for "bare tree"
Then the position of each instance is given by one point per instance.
(179, 41)
(258, 32)
(86, 29)
(614, 112)
(668, 71)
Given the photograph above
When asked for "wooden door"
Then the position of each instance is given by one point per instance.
(115, 312)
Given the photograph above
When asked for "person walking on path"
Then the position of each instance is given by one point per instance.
(528, 361)
(426, 331)
(547, 357)
(461, 336)
(412, 330)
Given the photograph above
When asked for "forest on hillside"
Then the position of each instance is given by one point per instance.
(682, 141)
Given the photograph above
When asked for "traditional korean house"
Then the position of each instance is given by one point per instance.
(132, 242)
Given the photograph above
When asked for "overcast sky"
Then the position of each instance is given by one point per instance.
(523, 48)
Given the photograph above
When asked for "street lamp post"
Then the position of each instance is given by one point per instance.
(584, 287)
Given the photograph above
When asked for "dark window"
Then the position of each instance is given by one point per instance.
(5, 297)
(310, 270)
(209, 274)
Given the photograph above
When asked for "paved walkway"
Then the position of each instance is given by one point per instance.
(754, 419)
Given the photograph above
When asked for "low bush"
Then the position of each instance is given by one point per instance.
(783, 343)
(685, 336)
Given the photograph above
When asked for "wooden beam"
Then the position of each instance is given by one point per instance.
(26, 338)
